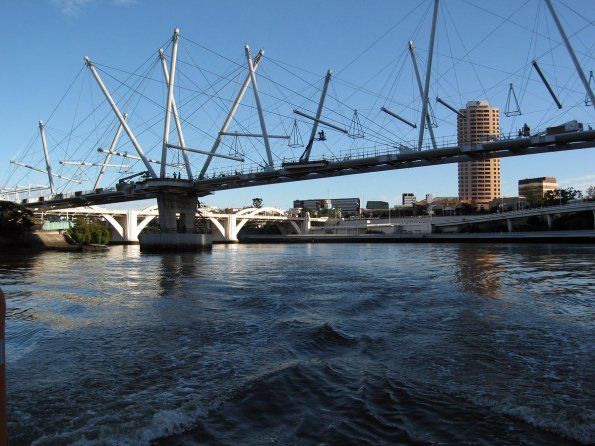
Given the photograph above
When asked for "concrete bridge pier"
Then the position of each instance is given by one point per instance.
(509, 224)
(177, 213)
(126, 228)
(550, 221)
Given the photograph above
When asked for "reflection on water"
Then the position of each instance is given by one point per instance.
(303, 344)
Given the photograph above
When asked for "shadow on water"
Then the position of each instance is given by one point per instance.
(176, 270)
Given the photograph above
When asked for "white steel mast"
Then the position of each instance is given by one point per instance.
(176, 118)
(421, 91)
(170, 95)
(230, 115)
(47, 157)
(259, 106)
(577, 65)
(424, 109)
(133, 140)
(108, 156)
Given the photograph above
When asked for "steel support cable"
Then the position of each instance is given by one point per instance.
(551, 53)
(520, 25)
(140, 83)
(487, 35)
(201, 93)
(209, 97)
(13, 167)
(369, 129)
(65, 94)
(403, 55)
(203, 74)
(400, 63)
(332, 111)
(588, 54)
(378, 39)
(283, 99)
(211, 51)
(106, 115)
(525, 76)
(458, 87)
(63, 97)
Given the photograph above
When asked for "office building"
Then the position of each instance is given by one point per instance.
(348, 206)
(371, 205)
(537, 186)
(479, 181)
(408, 199)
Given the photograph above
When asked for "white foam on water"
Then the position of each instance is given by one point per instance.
(163, 424)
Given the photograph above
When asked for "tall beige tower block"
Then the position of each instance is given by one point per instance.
(479, 181)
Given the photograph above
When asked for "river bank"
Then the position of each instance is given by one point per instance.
(37, 241)
(500, 237)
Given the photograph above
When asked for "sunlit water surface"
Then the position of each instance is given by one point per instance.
(338, 344)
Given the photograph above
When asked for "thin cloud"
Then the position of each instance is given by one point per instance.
(580, 183)
(72, 8)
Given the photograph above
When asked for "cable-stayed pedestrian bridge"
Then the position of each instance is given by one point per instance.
(376, 159)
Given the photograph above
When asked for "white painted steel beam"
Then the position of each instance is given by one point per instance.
(170, 95)
(127, 129)
(328, 124)
(45, 171)
(400, 118)
(108, 155)
(47, 157)
(259, 106)
(424, 109)
(204, 152)
(306, 155)
(176, 117)
(577, 65)
(421, 91)
(230, 115)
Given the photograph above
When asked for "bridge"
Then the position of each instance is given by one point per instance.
(126, 225)
(180, 174)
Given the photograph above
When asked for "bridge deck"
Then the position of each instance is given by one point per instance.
(372, 161)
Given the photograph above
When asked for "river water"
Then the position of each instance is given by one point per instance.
(303, 344)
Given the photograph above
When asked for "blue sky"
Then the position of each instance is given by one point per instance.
(481, 47)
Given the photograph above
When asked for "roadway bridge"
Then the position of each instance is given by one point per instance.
(126, 225)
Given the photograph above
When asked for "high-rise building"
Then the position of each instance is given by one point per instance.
(479, 181)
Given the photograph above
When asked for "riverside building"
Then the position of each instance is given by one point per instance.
(408, 199)
(348, 206)
(479, 181)
(540, 186)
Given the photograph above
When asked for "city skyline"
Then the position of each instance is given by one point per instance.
(49, 39)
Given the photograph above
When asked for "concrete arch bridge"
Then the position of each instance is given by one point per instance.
(126, 225)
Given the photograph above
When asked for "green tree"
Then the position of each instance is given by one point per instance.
(257, 203)
(590, 192)
(14, 218)
(533, 196)
(85, 233)
(561, 196)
